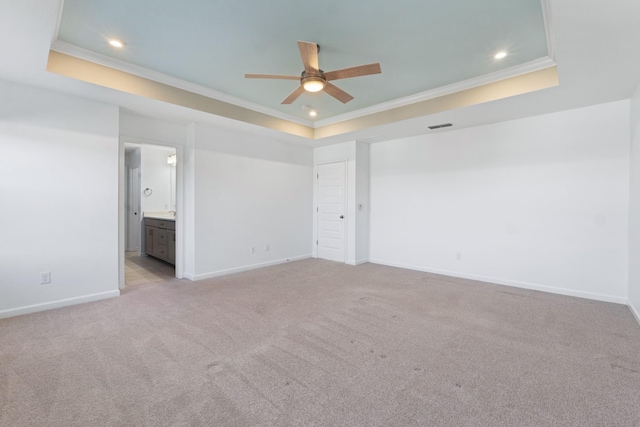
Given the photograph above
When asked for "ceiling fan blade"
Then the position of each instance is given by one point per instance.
(337, 93)
(309, 54)
(361, 70)
(294, 95)
(270, 76)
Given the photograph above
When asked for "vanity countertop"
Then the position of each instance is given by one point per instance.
(161, 215)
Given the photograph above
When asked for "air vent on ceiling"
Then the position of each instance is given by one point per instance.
(444, 125)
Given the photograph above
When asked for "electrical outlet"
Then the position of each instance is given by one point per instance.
(267, 247)
(252, 250)
(45, 277)
(459, 256)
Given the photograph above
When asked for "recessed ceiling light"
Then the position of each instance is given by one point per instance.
(116, 43)
(313, 113)
(500, 55)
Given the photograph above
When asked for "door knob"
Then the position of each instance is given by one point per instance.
(341, 216)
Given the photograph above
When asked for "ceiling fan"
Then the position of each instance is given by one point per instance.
(313, 79)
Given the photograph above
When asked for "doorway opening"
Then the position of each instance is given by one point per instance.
(150, 210)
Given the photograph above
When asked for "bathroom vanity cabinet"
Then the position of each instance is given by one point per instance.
(160, 239)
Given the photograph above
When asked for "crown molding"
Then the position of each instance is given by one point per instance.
(548, 28)
(518, 70)
(56, 30)
(97, 58)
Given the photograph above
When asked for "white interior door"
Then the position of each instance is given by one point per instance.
(331, 193)
(133, 210)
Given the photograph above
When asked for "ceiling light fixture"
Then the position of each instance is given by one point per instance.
(313, 84)
(313, 113)
(116, 43)
(500, 55)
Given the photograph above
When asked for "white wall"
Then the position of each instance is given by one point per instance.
(59, 193)
(189, 197)
(362, 202)
(539, 203)
(137, 128)
(634, 208)
(248, 192)
(159, 176)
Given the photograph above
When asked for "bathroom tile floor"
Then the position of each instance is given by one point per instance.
(141, 270)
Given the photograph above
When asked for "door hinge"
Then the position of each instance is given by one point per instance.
(317, 175)
(317, 209)
(316, 243)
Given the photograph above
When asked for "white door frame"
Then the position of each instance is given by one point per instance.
(344, 204)
(132, 204)
(180, 205)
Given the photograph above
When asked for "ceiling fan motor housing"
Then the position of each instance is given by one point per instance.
(306, 75)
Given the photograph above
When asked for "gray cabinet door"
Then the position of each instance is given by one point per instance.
(160, 242)
(149, 240)
(171, 246)
(160, 251)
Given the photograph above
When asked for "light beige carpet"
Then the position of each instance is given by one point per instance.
(315, 343)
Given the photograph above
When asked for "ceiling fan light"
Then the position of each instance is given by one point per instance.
(313, 84)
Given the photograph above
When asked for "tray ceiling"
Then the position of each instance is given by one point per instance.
(421, 45)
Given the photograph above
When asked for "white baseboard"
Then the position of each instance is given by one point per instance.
(57, 304)
(245, 268)
(634, 311)
(513, 283)
(357, 262)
